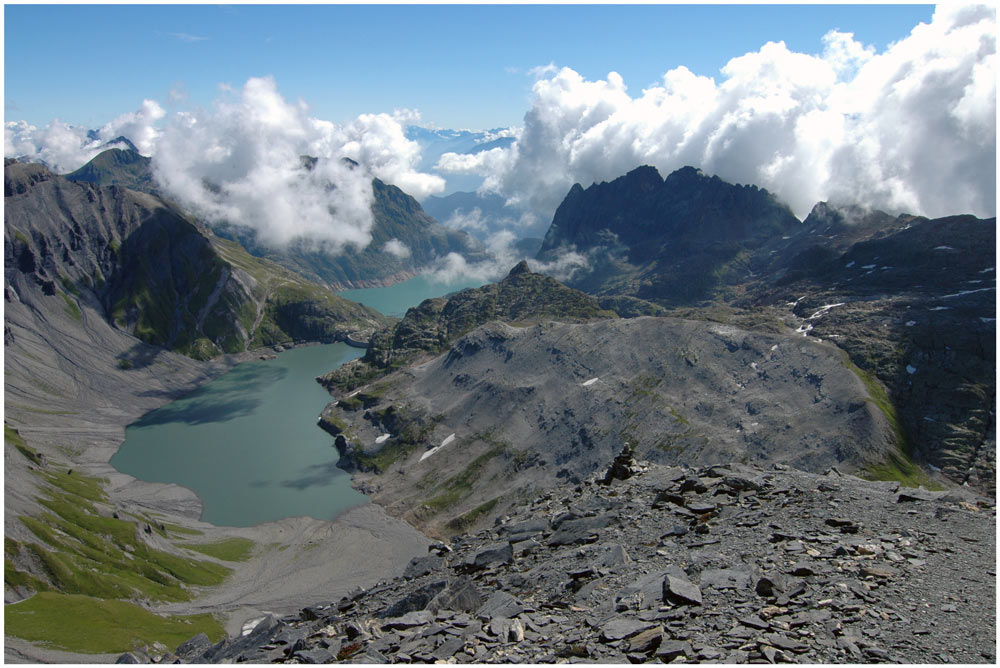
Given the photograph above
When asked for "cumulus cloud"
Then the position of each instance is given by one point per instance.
(241, 161)
(64, 148)
(397, 248)
(502, 255)
(910, 129)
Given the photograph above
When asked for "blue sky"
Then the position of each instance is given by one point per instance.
(460, 66)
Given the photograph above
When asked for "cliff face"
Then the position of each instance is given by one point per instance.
(152, 272)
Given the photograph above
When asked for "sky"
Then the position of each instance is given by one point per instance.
(461, 66)
(886, 106)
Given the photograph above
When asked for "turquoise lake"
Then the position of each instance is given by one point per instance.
(247, 443)
(395, 299)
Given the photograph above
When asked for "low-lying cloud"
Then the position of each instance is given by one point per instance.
(503, 254)
(910, 129)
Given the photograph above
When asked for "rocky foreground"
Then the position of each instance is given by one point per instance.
(723, 564)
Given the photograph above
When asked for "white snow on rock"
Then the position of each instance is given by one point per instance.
(823, 309)
(849, 264)
(988, 319)
(967, 292)
(943, 248)
(987, 270)
(940, 308)
(587, 383)
(911, 323)
(804, 329)
(430, 452)
(382, 439)
(250, 625)
(910, 369)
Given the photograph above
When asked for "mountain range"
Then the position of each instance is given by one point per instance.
(711, 328)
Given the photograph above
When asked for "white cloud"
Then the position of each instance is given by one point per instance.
(65, 148)
(241, 162)
(502, 256)
(396, 248)
(910, 129)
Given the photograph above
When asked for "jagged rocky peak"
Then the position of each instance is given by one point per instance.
(520, 268)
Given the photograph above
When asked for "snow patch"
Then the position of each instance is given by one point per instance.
(823, 309)
(250, 625)
(967, 292)
(940, 308)
(804, 329)
(943, 248)
(849, 264)
(987, 270)
(988, 319)
(587, 383)
(430, 452)
(382, 439)
(911, 323)
(868, 266)
(910, 369)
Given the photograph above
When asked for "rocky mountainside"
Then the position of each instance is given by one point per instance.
(507, 411)
(129, 258)
(722, 564)
(912, 300)
(523, 296)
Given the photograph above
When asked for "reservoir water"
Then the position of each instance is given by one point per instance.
(247, 443)
(395, 299)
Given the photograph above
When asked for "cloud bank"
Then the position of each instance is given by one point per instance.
(910, 129)
(65, 148)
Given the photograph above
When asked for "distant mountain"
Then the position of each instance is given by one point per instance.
(672, 240)
(397, 216)
(118, 167)
(76, 249)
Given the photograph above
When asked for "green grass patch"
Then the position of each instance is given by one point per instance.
(458, 487)
(84, 624)
(188, 531)
(80, 551)
(466, 521)
(230, 549)
(899, 466)
(71, 308)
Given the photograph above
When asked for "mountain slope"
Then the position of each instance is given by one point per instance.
(118, 167)
(517, 409)
(152, 272)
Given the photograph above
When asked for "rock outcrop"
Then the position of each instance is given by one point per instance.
(725, 564)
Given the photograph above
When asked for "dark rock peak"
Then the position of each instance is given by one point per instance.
(308, 162)
(520, 268)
